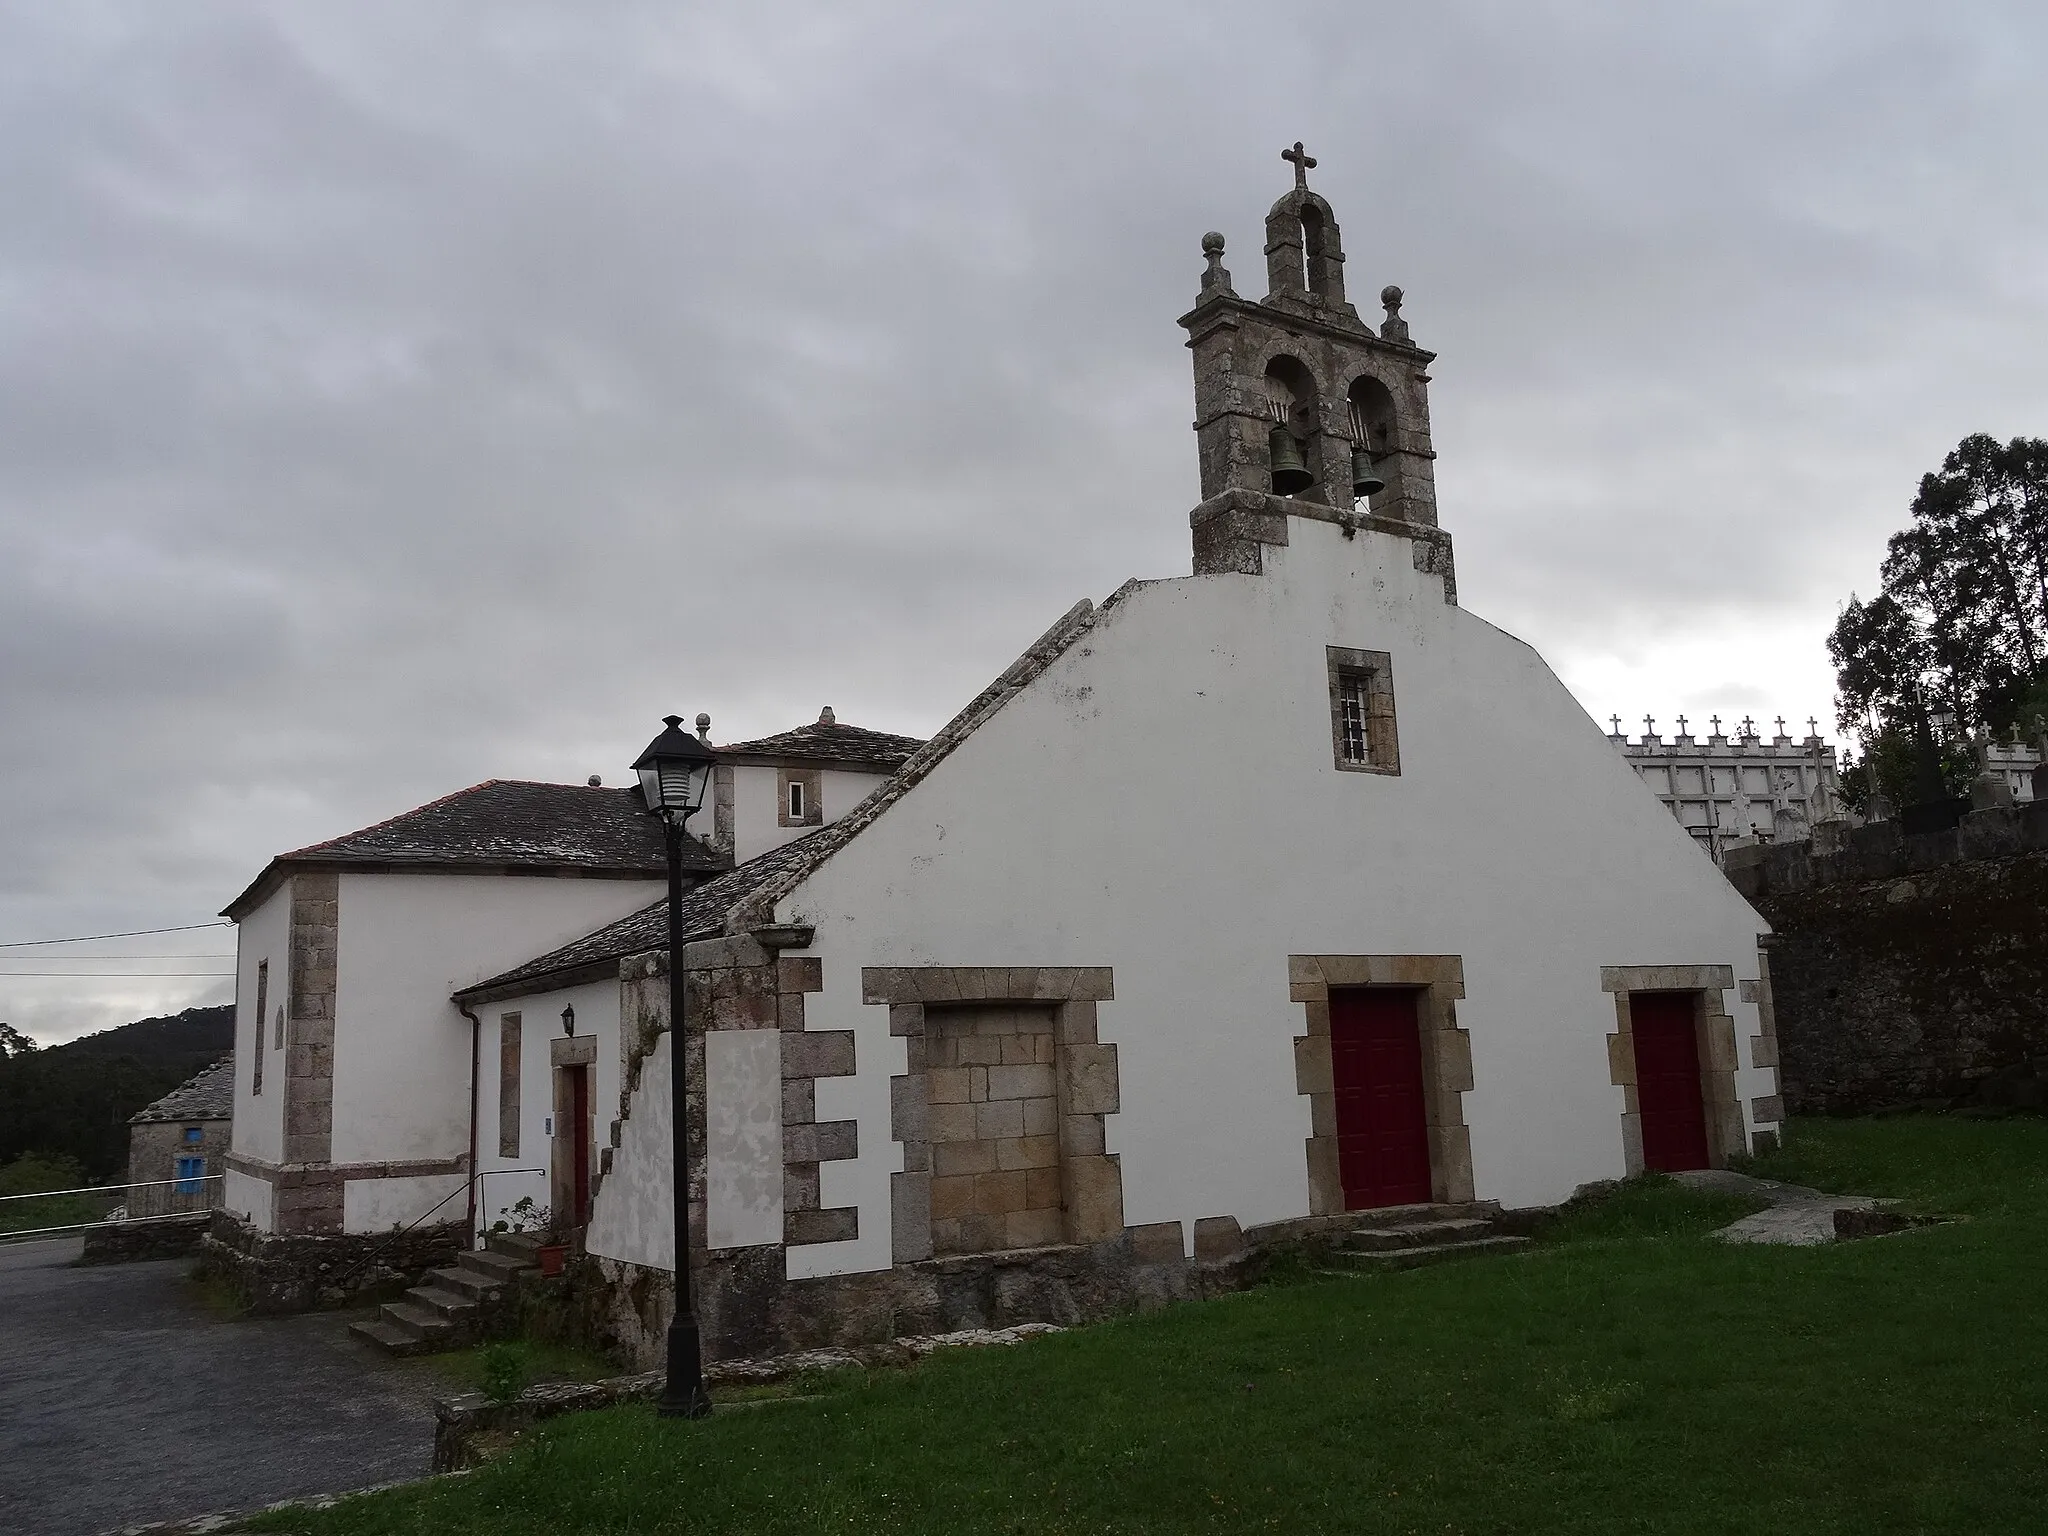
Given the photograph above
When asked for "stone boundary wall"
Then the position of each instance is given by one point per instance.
(1908, 972)
(747, 1309)
(131, 1242)
(275, 1272)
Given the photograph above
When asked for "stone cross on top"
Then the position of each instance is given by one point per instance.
(1303, 162)
(1681, 725)
(1715, 722)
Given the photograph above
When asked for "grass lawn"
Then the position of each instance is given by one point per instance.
(1627, 1375)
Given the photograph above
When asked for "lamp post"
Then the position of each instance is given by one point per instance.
(674, 773)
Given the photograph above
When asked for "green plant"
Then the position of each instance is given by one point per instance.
(505, 1368)
(523, 1215)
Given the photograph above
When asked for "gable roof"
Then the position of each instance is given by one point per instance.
(827, 741)
(503, 826)
(207, 1095)
(744, 898)
(596, 955)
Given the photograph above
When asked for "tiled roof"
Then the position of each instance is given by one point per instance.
(508, 824)
(746, 896)
(827, 741)
(704, 909)
(210, 1095)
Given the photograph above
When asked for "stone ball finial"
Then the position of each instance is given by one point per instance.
(1212, 244)
(703, 727)
(1396, 329)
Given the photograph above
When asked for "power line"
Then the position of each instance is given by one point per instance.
(126, 933)
(89, 959)
(111, 975)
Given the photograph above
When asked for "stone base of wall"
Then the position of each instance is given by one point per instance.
(275, 1272)
(747, 1310)
(130, 1242)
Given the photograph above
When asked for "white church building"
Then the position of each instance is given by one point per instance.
(1209, 922)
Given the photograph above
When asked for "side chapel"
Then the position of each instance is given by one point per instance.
(1207, 926)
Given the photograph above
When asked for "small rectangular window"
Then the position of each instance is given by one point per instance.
(798, 795)
(509, 1037)
(194, 1133)
(190, 1171)
(1362, 711)
(262, 1008)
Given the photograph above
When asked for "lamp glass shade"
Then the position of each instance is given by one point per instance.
(675, 771)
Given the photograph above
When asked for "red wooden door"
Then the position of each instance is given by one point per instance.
(579, 1130)
(1382, 1127)
(1674, 1115)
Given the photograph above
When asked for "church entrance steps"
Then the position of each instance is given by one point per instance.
(1404, 1236)
(1422, 1234)
(447, 1310)
(1436, 1253)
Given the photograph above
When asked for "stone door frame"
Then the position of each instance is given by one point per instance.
(1713, 1027)
(1084, 1076)
(1446, 1065)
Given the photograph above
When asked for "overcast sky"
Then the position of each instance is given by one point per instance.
(394, 396)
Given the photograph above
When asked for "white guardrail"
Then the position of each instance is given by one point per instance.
(110, 1219)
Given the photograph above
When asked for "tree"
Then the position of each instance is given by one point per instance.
(13, 1042)
(1962, 621)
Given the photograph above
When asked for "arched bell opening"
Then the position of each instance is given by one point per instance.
(1369, 407)
(1293, 441)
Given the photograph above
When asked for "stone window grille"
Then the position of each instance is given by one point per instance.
(1362, 731)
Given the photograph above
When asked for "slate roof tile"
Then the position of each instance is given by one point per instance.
(208, 1095)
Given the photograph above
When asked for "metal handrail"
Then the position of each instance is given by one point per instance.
(89, 1226)
(462, 1188)
(108, 1189)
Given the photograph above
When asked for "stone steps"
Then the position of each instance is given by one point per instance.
(1435, 1253)
(445, 1311)
(1406, 1236)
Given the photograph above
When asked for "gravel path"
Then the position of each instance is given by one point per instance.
(124, 1400)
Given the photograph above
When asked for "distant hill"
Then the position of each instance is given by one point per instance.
(74, 1100)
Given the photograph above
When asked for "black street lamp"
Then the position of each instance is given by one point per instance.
(675, 771)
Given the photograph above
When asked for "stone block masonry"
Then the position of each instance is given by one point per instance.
(1908, 971)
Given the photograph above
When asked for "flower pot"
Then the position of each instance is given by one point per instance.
(552, 1257)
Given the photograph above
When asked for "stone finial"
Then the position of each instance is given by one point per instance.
(1396, 329)
(704, 728)
(1216, 279)
(826, 717)
(1303, 163)
(1681, 727)
(595, 781)
(1616, 719)
(1649, 726)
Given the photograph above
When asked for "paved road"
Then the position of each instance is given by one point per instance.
(123, 1399)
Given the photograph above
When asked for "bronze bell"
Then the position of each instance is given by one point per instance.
(1290, 474)
(1365, 480)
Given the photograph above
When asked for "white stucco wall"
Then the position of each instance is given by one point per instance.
(757, 802)
(597, 1013)
(1162, 801)
(635, 1216)
(401, 1048)
(264, 934)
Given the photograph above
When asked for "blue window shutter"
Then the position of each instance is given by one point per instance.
(190, 1171)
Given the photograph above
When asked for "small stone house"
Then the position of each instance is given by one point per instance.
(178, 1146)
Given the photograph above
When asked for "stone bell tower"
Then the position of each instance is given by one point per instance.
(1301, 408)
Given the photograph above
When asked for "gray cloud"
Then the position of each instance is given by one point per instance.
(393, 396)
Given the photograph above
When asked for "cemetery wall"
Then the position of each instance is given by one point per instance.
(1909, 972)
